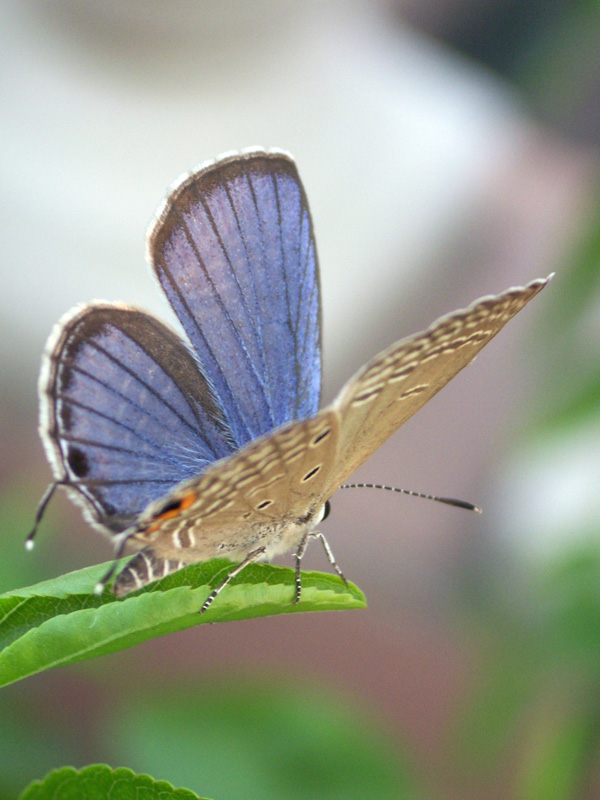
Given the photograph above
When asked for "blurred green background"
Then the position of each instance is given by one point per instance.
(449, 149)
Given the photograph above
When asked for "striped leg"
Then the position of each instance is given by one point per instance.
(300, 555)
(253, 555)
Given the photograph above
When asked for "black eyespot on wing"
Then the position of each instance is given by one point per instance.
(323, 435)
(312, 473)
(264, 504)
(78, 462)
(172, 505)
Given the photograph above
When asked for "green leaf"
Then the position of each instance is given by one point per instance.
(101, 782)
(61, 621)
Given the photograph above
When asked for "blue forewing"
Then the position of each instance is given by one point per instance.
(128, 409)
(235, 254)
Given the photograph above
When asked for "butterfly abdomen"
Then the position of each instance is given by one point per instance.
(144, 568)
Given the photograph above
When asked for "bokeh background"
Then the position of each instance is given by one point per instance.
(449, 149)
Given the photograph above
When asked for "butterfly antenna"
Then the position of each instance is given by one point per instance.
(121, 542)
(450, 501)
(46, 497)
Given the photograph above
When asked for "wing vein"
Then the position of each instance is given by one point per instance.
(139, 380)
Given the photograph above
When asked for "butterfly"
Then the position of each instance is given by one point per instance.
(215, 446)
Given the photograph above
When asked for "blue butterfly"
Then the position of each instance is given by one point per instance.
(186, 451)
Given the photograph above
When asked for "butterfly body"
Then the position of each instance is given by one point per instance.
(213, 447)
(171, 547)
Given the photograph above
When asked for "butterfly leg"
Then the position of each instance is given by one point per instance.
(253, 555)
(300, 555)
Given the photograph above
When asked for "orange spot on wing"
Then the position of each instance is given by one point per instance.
(185, 501)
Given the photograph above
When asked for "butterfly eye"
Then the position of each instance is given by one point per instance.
(327, 510)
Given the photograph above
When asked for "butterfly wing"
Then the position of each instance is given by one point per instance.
(234, 251)
(396, 383)
(262, 495)
(125, 413)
